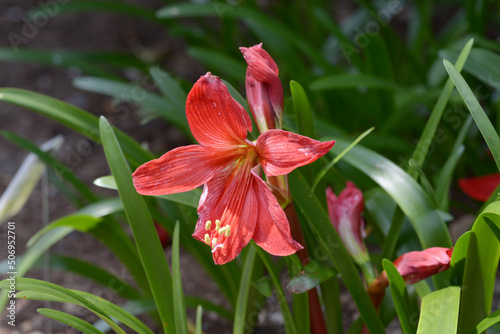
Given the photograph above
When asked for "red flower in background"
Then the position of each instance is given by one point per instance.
(236, 205)
(480, 188)
(263, 87)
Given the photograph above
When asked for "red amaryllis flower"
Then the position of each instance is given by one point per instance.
(236, 204)
(345, 214)
(480, 188)
(263, 88)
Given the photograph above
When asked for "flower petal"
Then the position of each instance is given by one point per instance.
(212, 194)
(280, 152)
(215, 118)
(228, 197)
(242, 228)
(181, 169)
(272, 232)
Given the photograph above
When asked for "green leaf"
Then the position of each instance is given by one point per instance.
(199, 313)
(313, 274)
(146, 238)
(60, 292)
(170, 88)
(189, 198)
(439, 312)
(401, 299)
(193, 302)
(79, 222)
(489, 133)
(445, 176)
(107, 182)
(263, 285)
(118, 313)
(481, 265)
(25, 180)
(62, 58)
(487, 322)
(178, 294)
(330, 291)
(261, 24)
(93, 272)
(135, 93)
(240, 314)
(303, 111)
(346, 80)
(46, 241)
(329, 240)
(69, 320)
(60, 169)
(79, 6)
(275, 278)
(73, 118)
(220, 62)
(431, 125)
(458, 258)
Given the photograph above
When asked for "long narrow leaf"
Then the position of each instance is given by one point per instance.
(489, 133)
(240, 313)
(430, 127)
(481, 263)
(148, 244)
(285, 310)
(178, 295)
(69, 320)
(72, 117)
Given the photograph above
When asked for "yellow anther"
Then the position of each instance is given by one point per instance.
(226, 230)
(208, 224)
(217, 225)
(207, 239)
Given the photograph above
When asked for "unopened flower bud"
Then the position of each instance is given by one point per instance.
(345, 214)
(263, 88)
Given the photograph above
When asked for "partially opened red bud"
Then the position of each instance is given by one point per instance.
(416, 266)
(413, 267)
(263, 88)
(480, 188)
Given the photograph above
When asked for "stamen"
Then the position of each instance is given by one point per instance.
(226, 230)
(207, 239)
(217, 246)
(208, 224)
(214, 241)
(217, 225)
